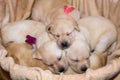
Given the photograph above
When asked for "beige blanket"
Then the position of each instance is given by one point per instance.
(18, 72)
(21, 9)
(14, 10)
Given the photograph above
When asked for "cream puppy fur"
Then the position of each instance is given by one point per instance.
(17, 31)
(48, 10)
(78, 56)
(89, 50)
(98, 32)
(60, 25)
(22, 54)
(62, 33)
(52, 56)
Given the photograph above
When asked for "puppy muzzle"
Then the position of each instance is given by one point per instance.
(84, 68)
(61, 69)
(64, 45)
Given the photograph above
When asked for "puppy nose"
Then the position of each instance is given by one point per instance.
(61, 69)
(64, 44)
(83, 69)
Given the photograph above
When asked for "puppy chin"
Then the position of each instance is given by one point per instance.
(53, 70)
(77, 70)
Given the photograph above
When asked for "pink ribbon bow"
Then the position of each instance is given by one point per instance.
(67, 10)
(30, 39)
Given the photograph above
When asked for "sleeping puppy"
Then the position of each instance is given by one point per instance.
(47, 11)
(99, 33)
(17, 31)
(91, 47)
(62, 33)
(80, 58)
(60, 23)
(52, 56)
(22, 54)
(13, 31)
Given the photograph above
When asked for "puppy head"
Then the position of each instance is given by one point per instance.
(17, 50)
(52, 56)
(63, 31)
(78, 56)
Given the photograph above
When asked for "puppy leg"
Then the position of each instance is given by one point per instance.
(104, 43)
(97, 60)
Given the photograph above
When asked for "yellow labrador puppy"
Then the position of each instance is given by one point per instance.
(48, 10)
(60, 18)
(22, 54)
(78, 56)
(52, 56)
(99, 33)
(89, 50)
(17, 31)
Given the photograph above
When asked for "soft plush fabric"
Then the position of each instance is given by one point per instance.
(18, 72)
(13, 10)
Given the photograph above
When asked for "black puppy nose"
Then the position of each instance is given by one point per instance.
(61, 69)
(84, 68)
(64, 44)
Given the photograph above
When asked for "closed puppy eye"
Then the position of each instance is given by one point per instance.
(75, 60)
(57, 36)
(50, 65)
(59, 58)
(92, 50)
(68, 34)
(87, 58)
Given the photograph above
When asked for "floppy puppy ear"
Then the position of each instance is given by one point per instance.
(36, 55)
(28, 46)
(48, 28)
(76, 26)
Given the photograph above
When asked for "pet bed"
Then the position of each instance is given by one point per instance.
(18, 72)
(12, 10)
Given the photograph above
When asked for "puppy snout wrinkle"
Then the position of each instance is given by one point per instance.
(84, 68)
(61, 69)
